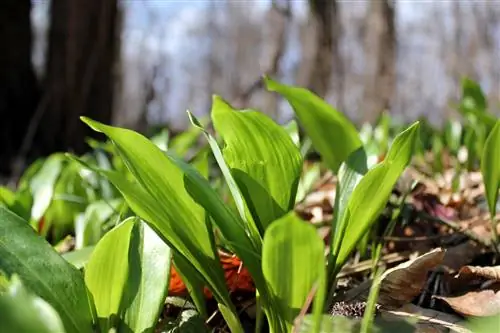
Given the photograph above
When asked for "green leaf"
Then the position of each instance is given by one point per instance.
(22, 311)
(107, 271)
(238, 198)
(490, 167)
(350, 174)
(373, 191)
(160, 198)
(42, 185)
(128, 276)
(331, 133)
(148, 279)
(263, 159)
(44, 272)
(293, 263)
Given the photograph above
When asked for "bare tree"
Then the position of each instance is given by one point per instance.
(380, 57)
(19, 91)
(277, 23)
(318, 46)
(80, 71)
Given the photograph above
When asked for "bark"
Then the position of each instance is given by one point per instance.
(319, 46)
(83, 45)
(380, 58)
(277, 22)
(18, 84)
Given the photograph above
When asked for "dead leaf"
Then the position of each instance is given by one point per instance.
(401, 284)
(491, 273)
(460, 255)
(480, 303)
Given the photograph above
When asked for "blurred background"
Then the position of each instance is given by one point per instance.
(140, 64)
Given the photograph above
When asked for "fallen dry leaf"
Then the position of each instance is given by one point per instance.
(491, 273)
(481, 303)
(401, 284)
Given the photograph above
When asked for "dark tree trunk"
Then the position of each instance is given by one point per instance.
(18, 84)
(319, 46)
(83, 45)
(380, 52)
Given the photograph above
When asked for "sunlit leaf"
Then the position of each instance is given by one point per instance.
(160, 198)
(42, 185)
(331, 133)
(22, 311)
(490, 167)
(263, 159)
(293, 263)
(107, 271)
(148, 279)
(238, 198)
(373, 191)
(44, 272)
(350, 174)
(127, 276)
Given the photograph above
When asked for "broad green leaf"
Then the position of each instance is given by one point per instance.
(44, 272)
(238, 198)
(107, 272)
(293, 263)
(160, 198)
(22, 311)
(128, 276)
(373, 191)
(490, 167)
(263, 159)
(148, 279)
(331, 133)
(350, 174)
(42, 185)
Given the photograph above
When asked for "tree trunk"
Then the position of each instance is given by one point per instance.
(83, 45)
(318, 47)
(18, 83)
(380, 58)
